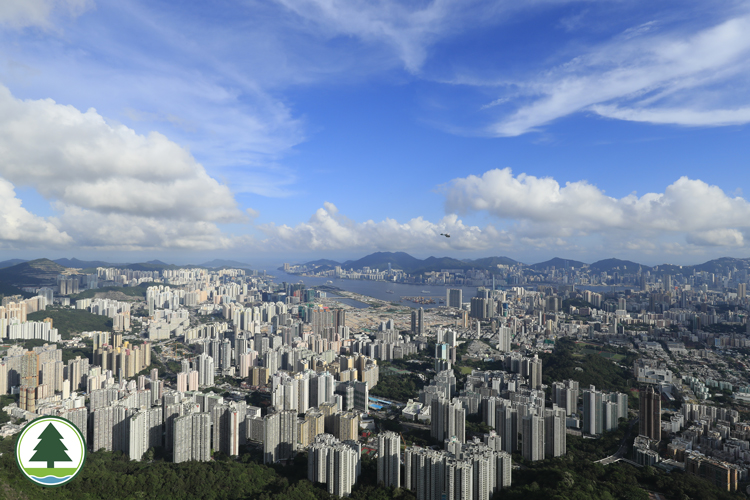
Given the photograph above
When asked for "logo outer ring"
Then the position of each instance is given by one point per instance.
(66, 422)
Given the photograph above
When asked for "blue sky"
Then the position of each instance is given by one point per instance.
(296, 129)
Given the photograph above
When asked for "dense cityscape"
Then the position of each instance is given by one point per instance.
(374, 250)
(206, 364)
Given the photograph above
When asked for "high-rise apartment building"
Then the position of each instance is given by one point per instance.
(389, 459)
(532, 437)
(335, 463)
(448, 419)
(649, 417)
(206, 370)
(565, 395)
(454, 298)
(279, 436)
(192, 438)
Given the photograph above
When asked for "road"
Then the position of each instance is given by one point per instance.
(618, 455)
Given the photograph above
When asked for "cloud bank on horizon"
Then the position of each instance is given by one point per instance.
(164, 133)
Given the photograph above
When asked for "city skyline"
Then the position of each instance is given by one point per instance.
(301, 129)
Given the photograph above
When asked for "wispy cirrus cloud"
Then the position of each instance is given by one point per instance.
(24, 13)
(410, 29)
(646, 74)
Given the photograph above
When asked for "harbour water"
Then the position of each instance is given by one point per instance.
(379, 289)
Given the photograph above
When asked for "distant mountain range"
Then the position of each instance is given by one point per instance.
(11, 262)
(413, 265)
(19, 272)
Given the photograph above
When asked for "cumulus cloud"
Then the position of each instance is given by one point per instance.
(646, 75)
(81, 160)
(328, 229)
(717, 237)
(112, 188)
(541, 206)
(20, 227)
(23, 13)
(125, 232)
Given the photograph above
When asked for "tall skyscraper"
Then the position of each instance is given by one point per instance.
(555, 443)
(389, 459)
(417, 321)
(535, 372)
(192, 438)
(504, 337)
(279, 436)
(650, 414)
(205, 370)
(448, 419)
(454, 298)
(112, 428)
(506, 424)
(565, 395)
(532, 436)
(593, 419)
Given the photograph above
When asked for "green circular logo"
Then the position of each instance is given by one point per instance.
(50, 451)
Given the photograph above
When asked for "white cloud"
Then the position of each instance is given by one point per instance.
(23, 13)
(20, 228)
(717, 237)
(81, 160)
(680, 116)
(112, 188)
(645, 75)
(328, 230)
(542, 208)
(110, 231)
(409, 28)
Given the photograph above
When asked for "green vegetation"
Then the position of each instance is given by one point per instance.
(72, 321)
(5, 400)
(474, 425)
(132, 291)
(569, 478)
(7, 290)
(68, 354)
(398, 387)
(596, 449)
(34, 272)
(575, 303)
(595, 370)
(106, 473)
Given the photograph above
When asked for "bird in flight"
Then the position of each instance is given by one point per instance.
(445, 234)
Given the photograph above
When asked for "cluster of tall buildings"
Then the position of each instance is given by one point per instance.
(602, 411)
(39, 374)
(474, 470)
(334, 462)
(14, 324)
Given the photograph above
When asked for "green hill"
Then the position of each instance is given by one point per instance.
(558, 263)
(621, 266)
(37, 272)
(73, 321)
